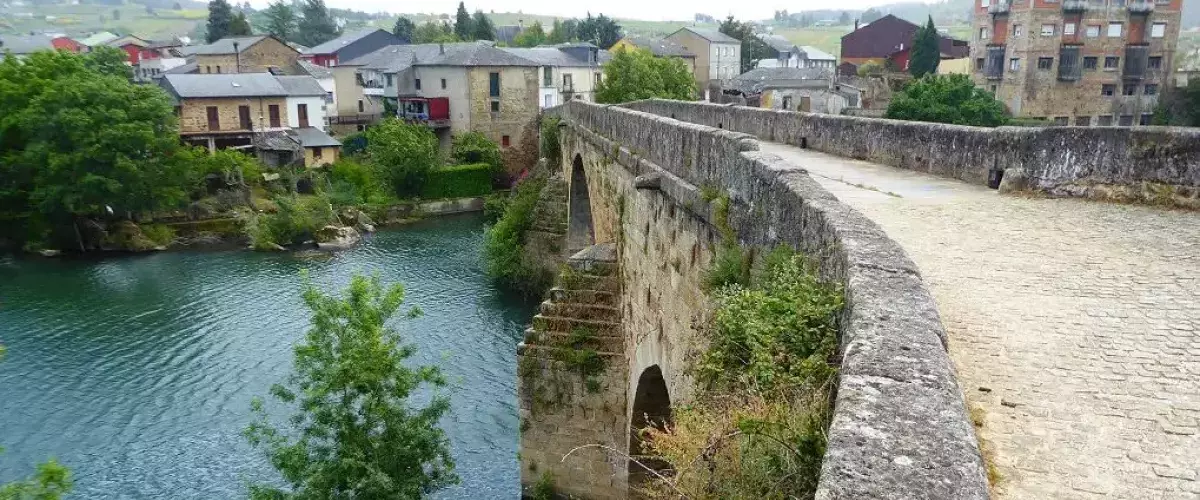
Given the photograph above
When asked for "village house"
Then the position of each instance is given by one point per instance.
(350, 46)
(567, 71)
(718, 56)
(279, 118)
(782, 53)
(21, 46)
(794, 89)
(660, 47)
(887, 42)
(248, 54)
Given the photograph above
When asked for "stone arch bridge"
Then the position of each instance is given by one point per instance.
(632, 214)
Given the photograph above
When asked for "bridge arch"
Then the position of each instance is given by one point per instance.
(651, 409)
(581, 231)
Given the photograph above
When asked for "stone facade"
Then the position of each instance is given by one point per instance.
(258, 58)
(1067, 161)
(193, 114)
(1031, 39)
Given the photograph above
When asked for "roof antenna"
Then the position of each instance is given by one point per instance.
(237, 56)
(441, 48)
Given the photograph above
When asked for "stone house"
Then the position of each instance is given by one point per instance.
(567, 71)
(280, 118)
(660, 47)
(718, 56)
(350, 46)
(794, 89)
(248, 54)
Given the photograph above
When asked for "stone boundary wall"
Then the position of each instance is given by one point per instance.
(1058, 160)
(900, 426)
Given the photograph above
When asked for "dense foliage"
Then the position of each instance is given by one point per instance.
(316, 25)
(926, 52)
(947, 99)
(353, 182)
(220, 17)
(50, 481)
(296, 219)
(752, 48)
(354, 432)
(1180, 106)
(636, 74)
(757, 426)
(403, 29)
(458, 181)
(280, 19)
(532, 37)
(504, 249)
(474, 147)
(403, 153)
(462, 23)
(600, 30)
(78, 139)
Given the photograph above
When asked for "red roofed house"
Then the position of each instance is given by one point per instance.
(67, 44)
(890, 38)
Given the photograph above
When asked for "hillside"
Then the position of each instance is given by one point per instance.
(78, 20)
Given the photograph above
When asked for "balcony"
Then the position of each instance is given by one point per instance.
(432, 112)
(994, 66)
(1136, 60)
(1075, 6)
(1001, 7)
(1070, 64)
(1143, 7)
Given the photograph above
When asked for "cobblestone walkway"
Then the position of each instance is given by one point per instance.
(1074, 326)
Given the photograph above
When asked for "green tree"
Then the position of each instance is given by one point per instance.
(354, 433)
(1180, 106)
(434, 32)
(564, 31)
(281, 20)
(78, 139)
(49, 482)
(600, 30)
(403, 29)
(240, 25)
(474, 147)
(926, 52)
(220, 16)
(531, 37)
(481, 27)
(870, 15)
(403, 153)
(462, 23)
(316, 25)
(947, 99)
(636, 74)
(752, 48)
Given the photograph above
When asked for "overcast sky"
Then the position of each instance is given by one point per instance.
(655, 10)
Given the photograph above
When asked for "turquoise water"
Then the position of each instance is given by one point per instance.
(137, 372)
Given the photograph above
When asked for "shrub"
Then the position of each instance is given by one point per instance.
(297, 219)
(474, 147)
(160, 234)
(947, 99)
(354, 144)
(504, 248)
(551, 145)
(494, 206)
(458, 181)
(235, 167)
(403, 154)
(354, 183)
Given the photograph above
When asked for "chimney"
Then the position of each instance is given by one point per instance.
(856, 25)
(237, 56)
(441, 47)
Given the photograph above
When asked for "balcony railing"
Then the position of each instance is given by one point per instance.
(994, 66)
(1070, 64)
(1000, 7)
(1075, 5)
(353, 119)
(1136, 59)
(1141, 6)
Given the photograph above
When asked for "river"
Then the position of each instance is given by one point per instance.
(137, 373)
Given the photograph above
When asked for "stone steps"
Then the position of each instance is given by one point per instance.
(559, 340)
(583, 296)
(580, 310)
(562, 324)
(586, 281)
(550, 353)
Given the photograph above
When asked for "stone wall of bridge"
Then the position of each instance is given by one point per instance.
(900, 427)
(1071, 161)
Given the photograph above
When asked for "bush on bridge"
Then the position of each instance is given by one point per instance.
(504, 249)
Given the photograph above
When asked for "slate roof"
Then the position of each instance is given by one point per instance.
(758, 79)
(183, 69)
(550, 56)
(815, 54)
(777, 42)
(99, 38)
(25, 44)
(478, 55)
(300, 86)
(310, 137)
(887, 35)
(395, 58)
(222, 46)
(318, 72)
(659, 46)
(507, 33)
(710, 34)
(333, 46)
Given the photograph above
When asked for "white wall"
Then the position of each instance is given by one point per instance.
(316, 111)
(724, 60)
(431, 86)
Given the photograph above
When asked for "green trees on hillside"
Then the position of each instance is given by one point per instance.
(462, 23)
(600, 30)
(926, 51)
(482, 27)
(220, 17)
(947, 99)
(532, 37)
(78, 139)
(636, 74)
(354, 433)
(404, 28)
(316, 25)
(281, 20)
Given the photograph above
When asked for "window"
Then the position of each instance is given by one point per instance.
(983, 33)
(443, 84)
(1093, 31)
(1089, 63)
(389, 79)
(1045, 63)
(547, 76)
(417, 83)
(1048, 29)
(549, 101)
(1018, 31)
(214, 118)
(1129, 89)
(218, 70)
(568, 84)
(360, 106)
(1125, 121)
(1108, 89)
(1014, 64)
(1068, 28)
(1158, 30)
(1111, 62)
(1083, 121)
(1150, 89)
(494, 86)
(244, 118)
(302, 114)
(979, 64)
(1146, 119)
(505, 141)
(273, 115)
(1104, 120)
(316, 153)
(994, 87)
(495, 105)
(1114, 29)
(1154, 62)
(1061, 121)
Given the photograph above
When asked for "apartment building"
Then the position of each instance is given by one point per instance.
(718, 56)
(1077, 62)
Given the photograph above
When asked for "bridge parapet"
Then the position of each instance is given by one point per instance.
(900, 427)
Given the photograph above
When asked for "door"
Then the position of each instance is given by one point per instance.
(273, 114)
(244, 117)
(214, 119)
(302, 112)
